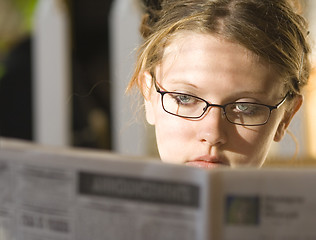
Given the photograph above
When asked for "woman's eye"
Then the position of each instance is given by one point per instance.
(184, 99)
(248, 108)
(242, 107)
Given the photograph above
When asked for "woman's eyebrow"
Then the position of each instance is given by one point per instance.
(252, 93)
(182, 82)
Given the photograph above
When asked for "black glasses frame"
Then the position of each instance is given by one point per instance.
(208, 105)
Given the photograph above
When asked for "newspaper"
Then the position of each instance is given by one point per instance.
(74, 194)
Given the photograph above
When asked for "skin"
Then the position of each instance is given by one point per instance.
(220, 72)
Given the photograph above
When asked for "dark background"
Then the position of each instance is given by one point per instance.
(91, 124)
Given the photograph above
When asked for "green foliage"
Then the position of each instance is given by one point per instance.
(26, 9)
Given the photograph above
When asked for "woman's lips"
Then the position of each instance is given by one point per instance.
(206, 162)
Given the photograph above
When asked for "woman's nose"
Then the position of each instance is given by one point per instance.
(212, 127)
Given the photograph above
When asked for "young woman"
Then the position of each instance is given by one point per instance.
(221, 79)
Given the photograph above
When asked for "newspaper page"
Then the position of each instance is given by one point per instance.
(80, 195)
(267, 204)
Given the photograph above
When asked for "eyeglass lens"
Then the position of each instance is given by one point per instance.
(188, 106)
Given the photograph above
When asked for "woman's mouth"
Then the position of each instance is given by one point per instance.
(206, 162)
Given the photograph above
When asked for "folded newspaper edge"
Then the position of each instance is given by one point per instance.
(75, 194)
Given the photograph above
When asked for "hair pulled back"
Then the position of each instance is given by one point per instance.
(271, 29)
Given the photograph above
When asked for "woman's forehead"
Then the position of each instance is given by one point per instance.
(189, 41)
(192, 58)
(196, 49)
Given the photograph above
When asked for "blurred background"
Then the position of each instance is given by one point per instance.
(64, 67)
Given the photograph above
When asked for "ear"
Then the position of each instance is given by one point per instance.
(147, 90)
(287, 118)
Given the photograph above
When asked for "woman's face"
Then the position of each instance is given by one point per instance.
(219, 72)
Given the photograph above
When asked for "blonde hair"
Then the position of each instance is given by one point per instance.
(271, 29)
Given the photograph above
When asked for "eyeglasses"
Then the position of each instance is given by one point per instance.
(193, 107)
